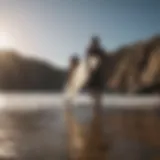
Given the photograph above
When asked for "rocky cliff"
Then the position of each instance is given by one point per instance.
(137, 66)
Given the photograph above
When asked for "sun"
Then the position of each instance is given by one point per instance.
(6, 40)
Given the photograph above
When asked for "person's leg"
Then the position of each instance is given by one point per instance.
(96, 96)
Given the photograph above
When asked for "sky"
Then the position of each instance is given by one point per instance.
(55, 29)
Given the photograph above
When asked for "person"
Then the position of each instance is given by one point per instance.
(97, 79)
(79, 72)
(73, 63)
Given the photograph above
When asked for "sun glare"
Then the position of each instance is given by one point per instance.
(6, 40)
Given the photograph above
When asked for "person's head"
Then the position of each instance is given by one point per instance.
(74, 60)
(95, 40)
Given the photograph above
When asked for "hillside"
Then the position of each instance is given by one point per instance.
(136, 67)
(21, 73)
(133, 68)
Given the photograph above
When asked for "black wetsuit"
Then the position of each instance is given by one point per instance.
(96, 80)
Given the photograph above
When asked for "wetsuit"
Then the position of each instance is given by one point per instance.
(96, 81)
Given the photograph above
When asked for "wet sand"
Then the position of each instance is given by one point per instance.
(115, 134)
(38, 134)
(81, 133)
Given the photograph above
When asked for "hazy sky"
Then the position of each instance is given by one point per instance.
(54, 29)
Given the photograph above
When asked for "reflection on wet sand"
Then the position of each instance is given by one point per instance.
(86, 136)
(114, 134)
(80, 133)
